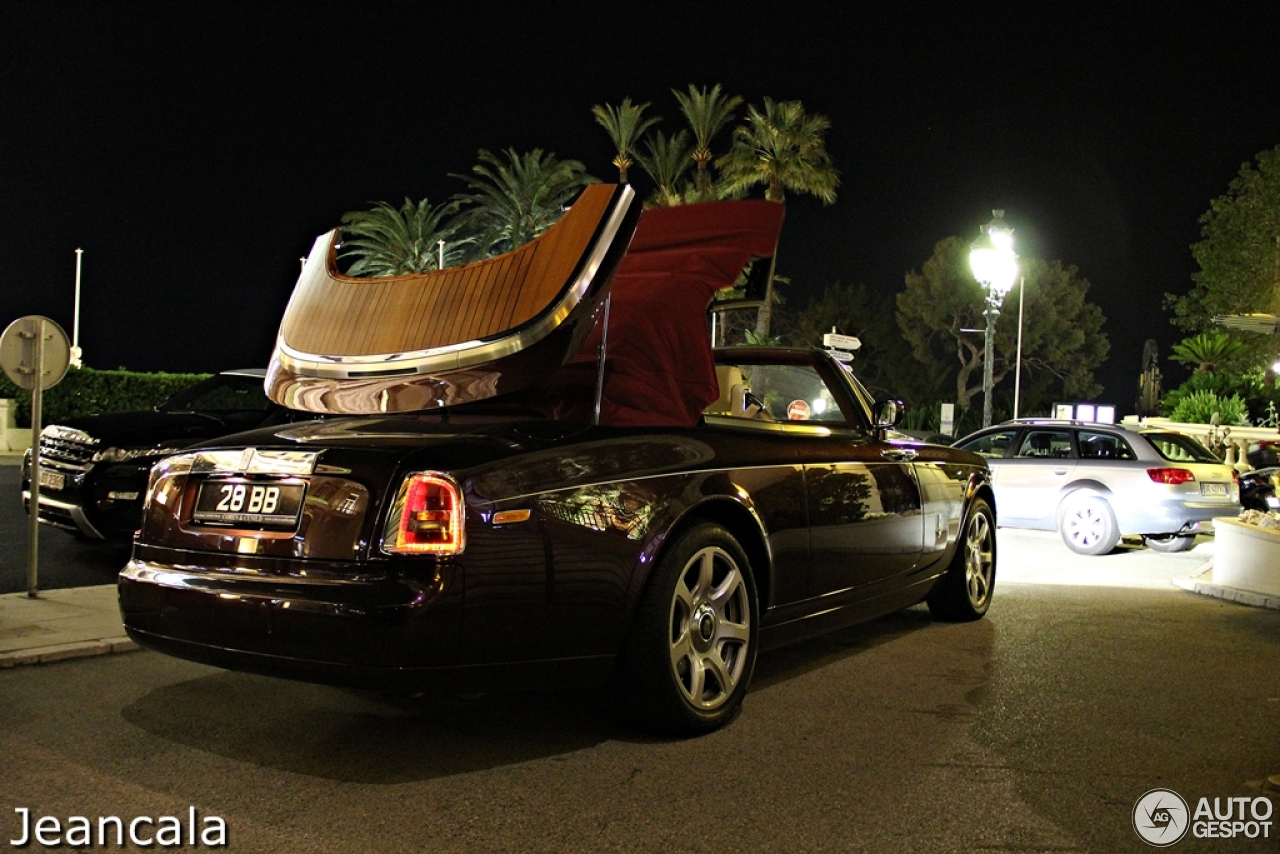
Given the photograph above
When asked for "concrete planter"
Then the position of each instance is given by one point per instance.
(1246, 556)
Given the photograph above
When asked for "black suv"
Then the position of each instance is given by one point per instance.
(93, 470)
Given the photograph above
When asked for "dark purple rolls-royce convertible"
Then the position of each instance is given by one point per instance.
(547, 476)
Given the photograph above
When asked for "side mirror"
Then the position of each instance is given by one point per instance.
(889, 413)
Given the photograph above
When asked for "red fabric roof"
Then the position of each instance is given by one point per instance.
(659, 365)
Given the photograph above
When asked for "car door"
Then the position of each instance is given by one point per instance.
(865, 519)
(862, 495)
(1031, 480)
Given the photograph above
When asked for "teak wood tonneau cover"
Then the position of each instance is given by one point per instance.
(421, 341)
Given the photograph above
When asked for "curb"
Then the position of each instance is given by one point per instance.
(1193, 584)
(66, 652)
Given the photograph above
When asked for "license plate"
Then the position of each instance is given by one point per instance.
(247, 503)
(1213, 489)
(52, 479)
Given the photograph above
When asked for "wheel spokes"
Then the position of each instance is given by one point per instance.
(980, 560)
(710, 628)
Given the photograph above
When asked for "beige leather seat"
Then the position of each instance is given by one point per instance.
(733, 392)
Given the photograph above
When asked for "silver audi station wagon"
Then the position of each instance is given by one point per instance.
(1094, 483)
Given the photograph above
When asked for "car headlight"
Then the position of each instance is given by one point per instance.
(124, 455)
(427, 517)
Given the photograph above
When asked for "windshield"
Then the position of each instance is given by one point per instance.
(1179, 448)
(222, 393)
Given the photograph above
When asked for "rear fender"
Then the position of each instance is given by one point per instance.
(730, 508)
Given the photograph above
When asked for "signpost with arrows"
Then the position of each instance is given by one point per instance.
(34, 353)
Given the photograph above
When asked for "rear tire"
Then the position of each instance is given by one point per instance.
(1170, 543)
(1088, 526)
(964, 592)
(686, 666)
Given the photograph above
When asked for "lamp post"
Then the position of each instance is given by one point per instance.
(1017, 366)
(995, 266)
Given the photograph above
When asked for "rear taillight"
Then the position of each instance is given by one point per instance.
(1171, 476)
(427, 517)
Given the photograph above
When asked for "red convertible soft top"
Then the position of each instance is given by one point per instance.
(659, 369)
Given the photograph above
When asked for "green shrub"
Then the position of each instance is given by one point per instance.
(1198, 407)
(1252, 387)
(86, 391)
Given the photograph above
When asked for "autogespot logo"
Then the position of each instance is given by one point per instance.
(1160, 817)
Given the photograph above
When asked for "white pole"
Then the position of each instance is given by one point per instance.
(75, 321)
(440, 263)
(1017, 369)
(75, 328)
(33, 519)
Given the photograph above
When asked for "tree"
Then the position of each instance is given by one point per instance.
(666, 160)
(516, 198)
(1206, 350)
(883, 362)
(783, 148)
(708, 111)
(1239, 255)
(624, 123)
(390, 242)
(1062, 338)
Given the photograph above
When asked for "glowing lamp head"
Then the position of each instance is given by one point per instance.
(994, 263)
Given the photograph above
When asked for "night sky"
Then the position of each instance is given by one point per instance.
(195, 150)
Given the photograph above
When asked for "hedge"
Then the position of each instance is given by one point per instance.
(86, 391)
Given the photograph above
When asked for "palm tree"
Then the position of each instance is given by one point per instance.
(782, 148)
(515, 198)
(1206, 350)
(386, 241)
(707, 111)
(624, 123)
(666, 160)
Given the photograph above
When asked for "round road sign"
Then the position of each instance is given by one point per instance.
(18, 348)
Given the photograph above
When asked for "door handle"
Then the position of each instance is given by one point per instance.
(1059, 471)
(901, 455)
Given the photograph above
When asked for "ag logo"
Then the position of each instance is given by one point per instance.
(1161, 817)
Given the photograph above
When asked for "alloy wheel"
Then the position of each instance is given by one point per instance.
(710, 628)
(979, 563)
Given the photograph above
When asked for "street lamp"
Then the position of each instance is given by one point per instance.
(995, 266)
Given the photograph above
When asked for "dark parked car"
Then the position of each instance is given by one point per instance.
(1094, 483)
(94, 469)
(645, 518)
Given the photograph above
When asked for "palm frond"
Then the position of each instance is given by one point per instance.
(784, 148)
(389, 241)
(625, 124)
(515, 197)
(707, 111)
(666, 159)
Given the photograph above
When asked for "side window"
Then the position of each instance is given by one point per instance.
(1103, 446)
(991, 445)
(774, 393)
(1045, 444)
